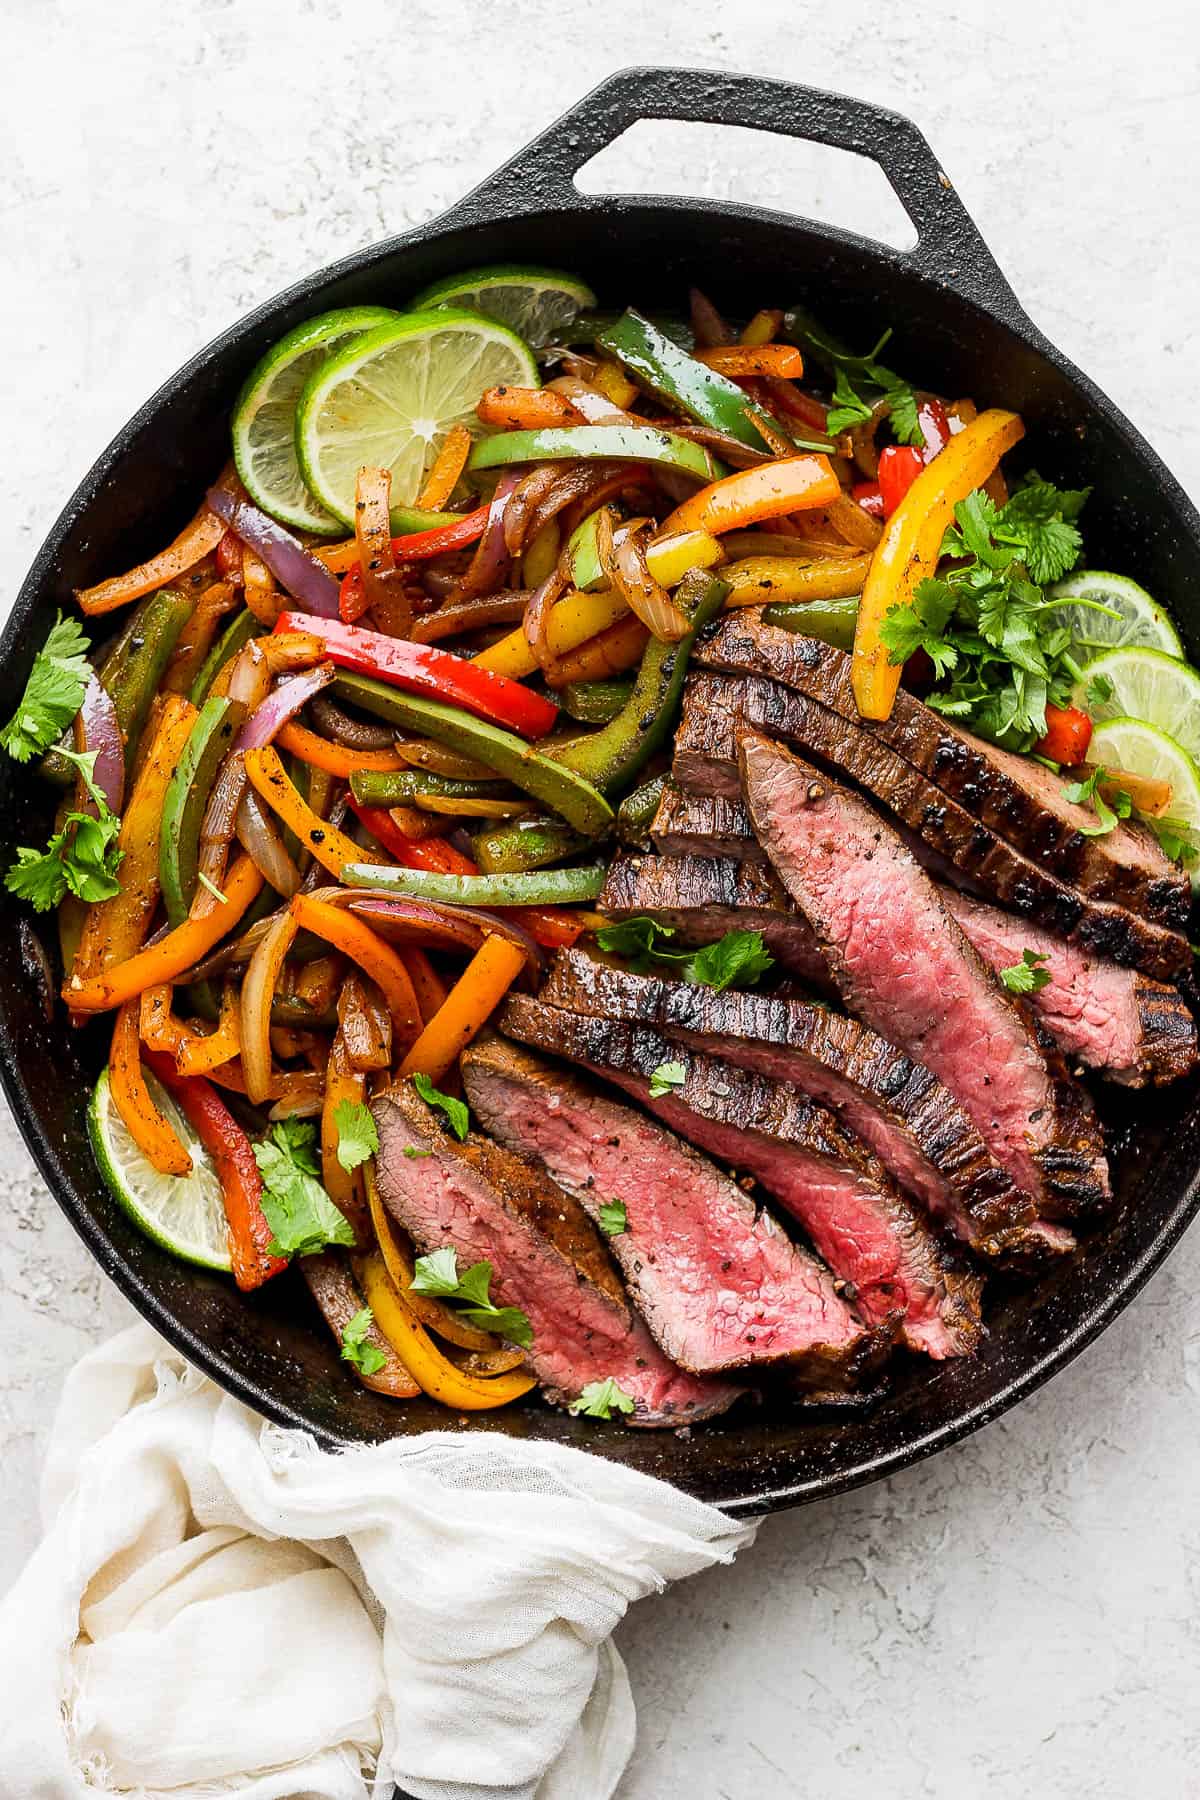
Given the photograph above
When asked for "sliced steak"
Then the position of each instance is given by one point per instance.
(720, 708)
(701, 898)
(1017, 798)
(902, 1112)
(1133, 1030)
(546, 1258)
(872, 1239)
(904, 966)
(703, 825)
(718, 1283)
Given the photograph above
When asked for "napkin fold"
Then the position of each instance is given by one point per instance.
(219, 1607)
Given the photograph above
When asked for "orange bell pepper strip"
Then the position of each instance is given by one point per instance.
(343, 1082)
(911, 543)
(399, 1264)
(158, 1027)
(467, 1008)
(196, 639)
(174, 954)
(790, 484)
(335, 759)
(193, 544)
(781, 360)
(148, 1125)
(437, 1375)
(525, 409)
(428, 985)
(375, 957)
(448, 465)
(331, 847)
(233, 1158)
(608, 653)
(199, 1055)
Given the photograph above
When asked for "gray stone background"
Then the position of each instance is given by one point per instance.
(1017, 1617)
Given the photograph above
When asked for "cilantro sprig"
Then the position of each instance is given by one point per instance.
(668, 1075)
(1026, 976)
(457, 1114)
(357, 1138)
(600, 1399)
(1107, 812)
(438, 1274)
(302, 1217)
(860, 382)
(367, 1358)
(1175, 837)
(81, 858)
(53, 694)
(737, 959)
(613, 1218)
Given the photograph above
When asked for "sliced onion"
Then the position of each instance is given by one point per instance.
(491, 554)
(536, 623)
(291, 564)
(411, 920)
(217, 831)
(525, 496)
(708, 327)
(98, 730)
(727, 447)
(258, 988)
(282, 704)
(287, 650)
(385, 587)
(356, 734)
(579, 481)
(506, 607)
(590, 403)
(644, 596)
(250, 677)
(260, 839)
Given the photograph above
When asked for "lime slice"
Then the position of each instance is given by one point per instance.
(264, 418)
(1144, 750)
(183, 1213)
(538, 304)
(390, 398)
(1140, 621)
(1145, 684)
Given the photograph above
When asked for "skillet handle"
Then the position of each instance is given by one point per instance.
(949, 247)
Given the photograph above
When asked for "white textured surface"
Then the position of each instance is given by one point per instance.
(1019, 1616)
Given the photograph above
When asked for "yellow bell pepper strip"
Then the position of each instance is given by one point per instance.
(791, 484)
(740, 360)
(150, 1129)
(114, 929)
(196, 541)
(201, 1055)
(335, 759)
(375, 957)
(174, 954)
(198, 634)
(762, 327)
(399, 1264)
(436, 1374)
(467, 1008)
(331, 847)
(610, 652)
(614, 384)
(573, 621)
(911, 542)
(343, 1082)
(158, 1027)
(258, 987)
(669, 558)
(541, 555)
(758, 580)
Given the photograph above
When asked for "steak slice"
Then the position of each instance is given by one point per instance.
(720, 708)
(701, 898)
(1017, 798)
(904, 965)
(892, 1266)
(902, 1112)
(1133, 1030)
(546, 1258)
(719, 1284)
(703, 825)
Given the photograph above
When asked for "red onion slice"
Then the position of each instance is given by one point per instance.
(100, 732)
(289, 562)
(491, 555)
(283, 703)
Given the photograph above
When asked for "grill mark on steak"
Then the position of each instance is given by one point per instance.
(904, 965)
(720, 708)
(871, 1238)
(546, 1258)
(703, 825)
(719, 1284)
(899, 1110)
(1018, 799)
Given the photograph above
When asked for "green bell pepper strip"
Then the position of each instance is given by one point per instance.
(637, 809)
(594, 702)
(564, 791)
(612, 756)
(187, 796)
(831, 621)
(589, 327)
(406, 521)
(525, 844)
(232, 639)
(400, 787)
(618, 443)
(540, 887)
(680, 381)
(583, 556)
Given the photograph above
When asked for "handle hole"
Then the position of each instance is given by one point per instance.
(755, 168)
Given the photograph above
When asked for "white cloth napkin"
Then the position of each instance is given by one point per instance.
(220, 1607)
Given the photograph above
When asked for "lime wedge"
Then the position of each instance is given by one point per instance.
(1139, 622)
(538, 304)
(1132, 744)
(390, 397)
(264, 418)
(185, 1214)
(1145, 684)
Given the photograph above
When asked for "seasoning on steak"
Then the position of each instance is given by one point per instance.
(905, 967)
(871, 1238)
(546, 1258)
(902, 1112)
(1019, 799)
(703, 825)
(1133, 1030)
(719, 1284)
(719, 708)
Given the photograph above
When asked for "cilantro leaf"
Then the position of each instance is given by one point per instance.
(1099, 690)
(438, 1274)
(302, 1217)
(412, 1153)
(82, 858)
(739, 956)
(1175, 836)
(848, 407)
(921, 625)
(613, 1218)
(637, 940)
(904, 419)
(455, 1110)
(53, 694)
(668, 1075)
(1080, 792)
(1039, 520)
(1026, 977)
(357, 1138)
(599, 1400)
(367, 1358)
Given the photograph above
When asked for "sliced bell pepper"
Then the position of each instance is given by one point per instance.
(467, 1008)
(235, 637)
(792, 484)
(869, 496)
(200, 1055)
(233, 1158)
(669, 558)
(375, 957)
(899, 466)
(540, 556)
(211, 735)
(436, 1374)
(831, 621)
(148, 1125)
(609, 653)
(193, 544)
(420, 669)
(331, 847)
(682, 381)
(911, 544)
(738, 360)
(543, 887)
(595, 702)
(196, 639)
(526, 844)
(343, 1083)
(524, 409)
(335, 759)
(399, 1264)
(1068, 734)
(574, 620)
(448, 466)
(758, 580)
(616, 443)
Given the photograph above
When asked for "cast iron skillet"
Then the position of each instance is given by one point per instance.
(958, 329)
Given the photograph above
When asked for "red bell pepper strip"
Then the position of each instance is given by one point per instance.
(420, 669)
(869, 497)
(934, 421)
(420, 544)
(233, 1157)
(899, 466)
(1068, 734)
